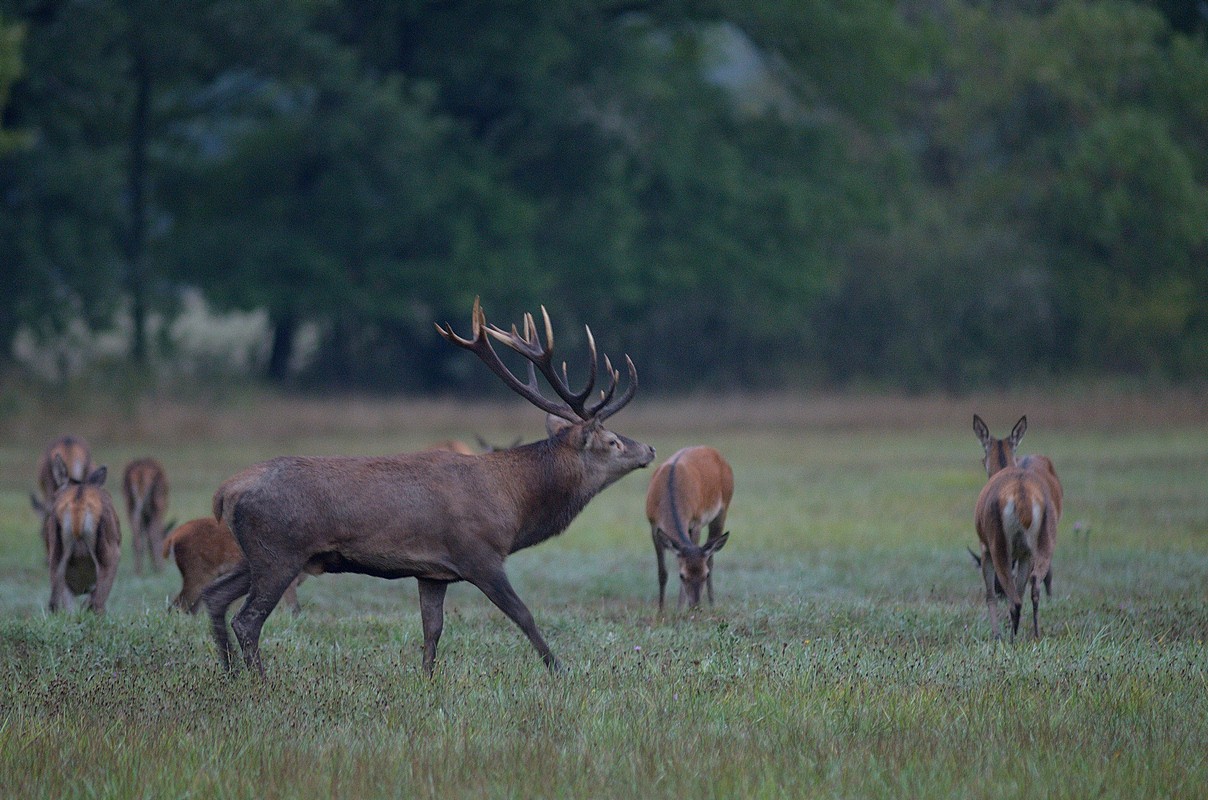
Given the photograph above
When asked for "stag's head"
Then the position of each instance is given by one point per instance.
(694, 563)
(999, 453)
(575, 418)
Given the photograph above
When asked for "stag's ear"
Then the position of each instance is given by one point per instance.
(555, 425)
(1018, 431)
(713, 545)
(97, 478)
(58, 471)
(983, 433)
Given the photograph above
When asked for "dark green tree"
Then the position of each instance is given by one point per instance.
(109, 86)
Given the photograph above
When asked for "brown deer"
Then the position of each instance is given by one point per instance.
(452, 446)
(145, 489)
(458, 446)
(76, 455)
(1016, 517)
(82, 532)
(204, 549)
(1042, 465)
(688, 491)
(437, 516)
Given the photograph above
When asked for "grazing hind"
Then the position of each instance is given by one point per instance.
(145, 489)
(83, 537)
(204, 550)
(689, 491)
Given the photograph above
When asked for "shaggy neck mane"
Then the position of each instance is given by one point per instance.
(556, 494)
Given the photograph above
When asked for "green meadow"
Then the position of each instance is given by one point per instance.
(848, 653)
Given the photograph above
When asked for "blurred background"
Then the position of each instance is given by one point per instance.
(743, 194)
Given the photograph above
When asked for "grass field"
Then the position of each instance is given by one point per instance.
(848, 654)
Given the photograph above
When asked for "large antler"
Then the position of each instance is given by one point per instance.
(540, 358)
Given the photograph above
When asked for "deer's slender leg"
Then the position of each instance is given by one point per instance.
(498, 589)
(432, 613)
(218, 597)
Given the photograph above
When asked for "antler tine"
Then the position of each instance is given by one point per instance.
(610, 408)
(480, 345)
(614, 378)
(577, 399)
(549, 329)
(540, 355)
(540, 359)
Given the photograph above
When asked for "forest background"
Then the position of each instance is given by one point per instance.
(916, 195)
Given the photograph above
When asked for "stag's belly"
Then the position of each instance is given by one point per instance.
(390, 569)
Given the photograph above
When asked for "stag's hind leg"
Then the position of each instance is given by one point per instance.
(264, 592)
(218, 597)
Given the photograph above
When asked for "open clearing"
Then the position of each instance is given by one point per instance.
(848, 654)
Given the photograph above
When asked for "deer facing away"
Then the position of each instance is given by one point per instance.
(145, 489)
(83, 536)
(689, 491)
(437, 516)
(1016, 517)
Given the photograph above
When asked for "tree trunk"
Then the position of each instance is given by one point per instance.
(279, 357)
(136, 231)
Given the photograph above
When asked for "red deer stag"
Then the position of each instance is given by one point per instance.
(1016, 517)
(204, 549)
(84, 538)
(688, 491)
(145, 488)
(439, 517)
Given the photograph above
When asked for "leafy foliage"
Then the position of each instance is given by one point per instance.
(915, 193)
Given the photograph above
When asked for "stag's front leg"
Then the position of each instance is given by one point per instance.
(432, 614)
(496, 586)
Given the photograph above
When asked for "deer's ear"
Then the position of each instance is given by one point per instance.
(667, 541)
(555, 425)
(58, 470)
(979, 427)
(1018, 431)
(714, 545)
(97, 478)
